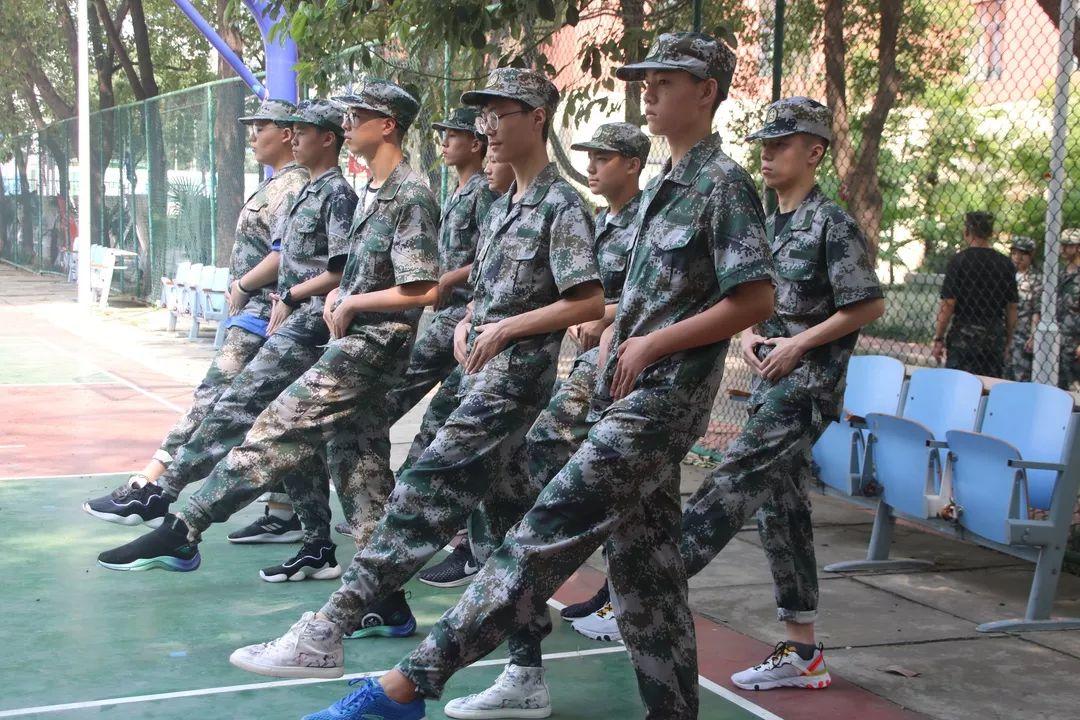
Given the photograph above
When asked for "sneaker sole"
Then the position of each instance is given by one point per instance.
(448, 583)
(817, 682)
(173, 564)
(386, 631)
(323, 573)
(290, 536)
(287, 672)
(599, 637)
(128, 520)
(496, 713)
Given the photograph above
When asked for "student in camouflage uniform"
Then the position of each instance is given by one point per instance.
(1068, 309)
(254, 269)
(432, 356)
(978, 304)
(535, 275)
(314, 245)
(698, 273)
(1029, 289)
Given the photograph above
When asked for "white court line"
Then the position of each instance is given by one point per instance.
(42, 709)
(123, 381)
(73, 475)
(11, 447)
(734, 699)
(59, 384)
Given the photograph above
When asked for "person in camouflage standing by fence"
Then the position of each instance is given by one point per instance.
(1068, 309)
(1029, 291)
(698, 273)
(535, 275)
(314, 245)
(254, 269)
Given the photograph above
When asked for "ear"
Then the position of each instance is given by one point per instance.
(539, 118)
(389, 126)
(709, 90)
(476, 146)
(633, 166)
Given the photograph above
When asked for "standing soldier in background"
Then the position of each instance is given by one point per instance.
(979, 298)
(1029, 290)
(1068, 309)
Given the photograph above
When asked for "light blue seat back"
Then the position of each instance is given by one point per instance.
(901, 461)
(943, 399)
(984, 486)
(1033, 418)
(874, 384)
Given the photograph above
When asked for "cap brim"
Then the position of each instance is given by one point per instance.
(594, 146)
(767, 133)
(636, 71)
(256, 118)
(305, 121)
(481, 97)
(452, 126)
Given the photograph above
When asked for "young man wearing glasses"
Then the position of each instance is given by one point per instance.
(534, 276)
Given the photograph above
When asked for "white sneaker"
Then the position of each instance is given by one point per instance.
(785, 668)
(311, 649)
(601, 625)
(518, 692)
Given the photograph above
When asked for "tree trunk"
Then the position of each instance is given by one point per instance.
(229, 141)
(633, 18)
(26, 215)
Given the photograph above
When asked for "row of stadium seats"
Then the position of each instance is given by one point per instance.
(197, 292)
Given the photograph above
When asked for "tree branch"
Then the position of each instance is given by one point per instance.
(121, 53)
(836, 88)
(58, 106)
(888, 82)
(142, 48)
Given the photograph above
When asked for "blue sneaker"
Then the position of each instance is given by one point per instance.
(369, 703)
(391, 618)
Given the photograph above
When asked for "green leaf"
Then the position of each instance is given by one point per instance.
(479, 41)
(573, 15)
(546, 9)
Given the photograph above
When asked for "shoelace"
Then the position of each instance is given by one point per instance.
(353, 699)
(777, 655)
(607, 609)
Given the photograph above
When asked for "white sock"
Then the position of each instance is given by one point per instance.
(283, 513)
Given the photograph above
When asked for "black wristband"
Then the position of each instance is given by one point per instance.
(287, 298)
(241, 288)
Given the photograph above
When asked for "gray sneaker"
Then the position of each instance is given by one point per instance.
(518, 692)
(311, 649)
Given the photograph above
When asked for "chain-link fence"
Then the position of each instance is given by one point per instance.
(947, 107)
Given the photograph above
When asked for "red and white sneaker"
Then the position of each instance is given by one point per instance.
(785, 668)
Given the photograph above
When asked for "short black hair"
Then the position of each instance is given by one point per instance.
(720, 96)
(980, 224)
(339, 140)
(547, 117)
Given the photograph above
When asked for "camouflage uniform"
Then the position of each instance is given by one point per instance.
(432, 357)
(338, 406)
(1068, 315)
(701, 233)
(315, 230)
(1029, 288)
(531, 252)
(267, 205)
(822, 264)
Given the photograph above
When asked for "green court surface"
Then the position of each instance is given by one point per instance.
(24, 363)
(80, 641)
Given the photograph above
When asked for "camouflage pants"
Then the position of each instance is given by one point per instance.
(237, 351)
(332, 412)
(768, 467)
(620, 486)
(473, 460)
(278, 362)
(977, 349)
(431, 360)
(1020, 360)
(443, 403)
(1068, 365)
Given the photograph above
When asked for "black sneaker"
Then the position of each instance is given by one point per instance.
(390, 618)
(315, 561)
(129, 505)
(167, 548)
(587, 608)
(458, 569)
(269, 529)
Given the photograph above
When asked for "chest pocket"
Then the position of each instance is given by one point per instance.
(612, 271)
(378, 237)
(305, 226)
(800, 258)
(522, 257)
(672, 248)
(461, 232)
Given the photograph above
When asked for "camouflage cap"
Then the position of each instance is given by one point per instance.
(271, 109)
(1070, 236)
(320, 113)
(701, 55)
(621, 137)
(382, 96)
(528, 86)
(795, 115)
(1023, 244)
(461, 118)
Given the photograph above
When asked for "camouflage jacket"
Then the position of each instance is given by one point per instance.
(822, 264)
(531, 251)
(701, 232)
(614, 240)
(263, 210)
(1068, 303)
(1029, 288)
(393, 242)
(316, 230)
(459, 229)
